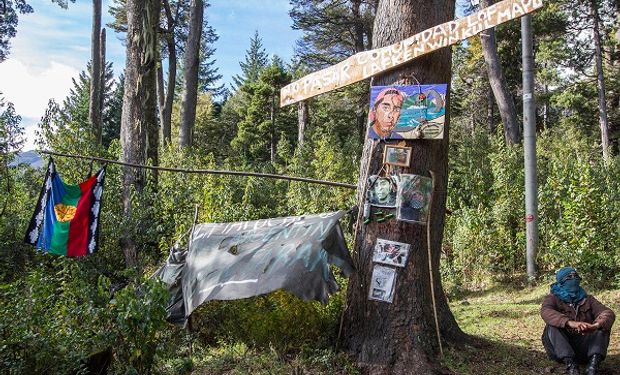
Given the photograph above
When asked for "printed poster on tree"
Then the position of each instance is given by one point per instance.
(382, 284)
(391, 253)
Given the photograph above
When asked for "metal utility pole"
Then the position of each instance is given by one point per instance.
(529, 147)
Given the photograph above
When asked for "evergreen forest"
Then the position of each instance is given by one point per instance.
(171, 108)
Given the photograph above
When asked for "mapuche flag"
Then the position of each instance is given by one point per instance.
(65, 221)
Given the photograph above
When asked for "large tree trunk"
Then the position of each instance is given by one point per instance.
(303, 117)
(400, 338)
(505, 102)
(139, 105)
(94, 104)
(600, 80)
(190, 73)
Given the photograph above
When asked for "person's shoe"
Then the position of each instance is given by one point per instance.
(571, 366)
(592, 368)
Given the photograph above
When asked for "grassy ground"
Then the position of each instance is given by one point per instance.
(506, 322)
(509, 322)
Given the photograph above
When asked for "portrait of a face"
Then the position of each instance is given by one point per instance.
(382, 191)
(407, 111)
(385, 112)
(388, 113)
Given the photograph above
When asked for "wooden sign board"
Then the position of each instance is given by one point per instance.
(369, 63)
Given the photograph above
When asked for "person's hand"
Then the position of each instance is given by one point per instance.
(592, 327)
(580, 327)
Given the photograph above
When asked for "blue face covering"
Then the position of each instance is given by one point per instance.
(568, 289)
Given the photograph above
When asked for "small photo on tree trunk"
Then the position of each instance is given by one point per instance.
(397, 156)
(390, 252)
(413, 198)
(382, 191)
(382, 284)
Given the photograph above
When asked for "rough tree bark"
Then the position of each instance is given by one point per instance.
(139, 105)
(94, 103)
(303, 117)
(600, 80)
(399, 338)
(190, 74)
(503, 98)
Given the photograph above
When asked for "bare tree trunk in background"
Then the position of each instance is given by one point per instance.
(490, 114)
(153, 124)
(303, 116)
(190, 74)
(166, 112)
(360, 35)
(400, 338)
(139, 106)
(598, 58)
(613, 97)
(272, 117)
(358, 25)
(505, 102)
(161, 92)
(94, 103)
(102, 81)
(545, 114)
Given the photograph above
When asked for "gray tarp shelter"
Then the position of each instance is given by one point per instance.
(228, 261)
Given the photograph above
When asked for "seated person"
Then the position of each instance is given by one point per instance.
(577, 325)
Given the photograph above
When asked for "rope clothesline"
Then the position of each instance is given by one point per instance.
(205, 171)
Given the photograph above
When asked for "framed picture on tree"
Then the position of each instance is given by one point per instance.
(413, 198)
(397, 155)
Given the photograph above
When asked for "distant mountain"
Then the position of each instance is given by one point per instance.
(28, 157)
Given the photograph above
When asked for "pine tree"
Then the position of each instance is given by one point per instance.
(113, 106)
(262, 124)
(332, 30)
(208, 73)
(256, 59)
(71, 119)
(11, 133)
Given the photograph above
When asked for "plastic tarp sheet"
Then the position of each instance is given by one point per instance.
(228, 261)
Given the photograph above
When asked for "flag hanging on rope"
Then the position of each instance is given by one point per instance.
(65, 221)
